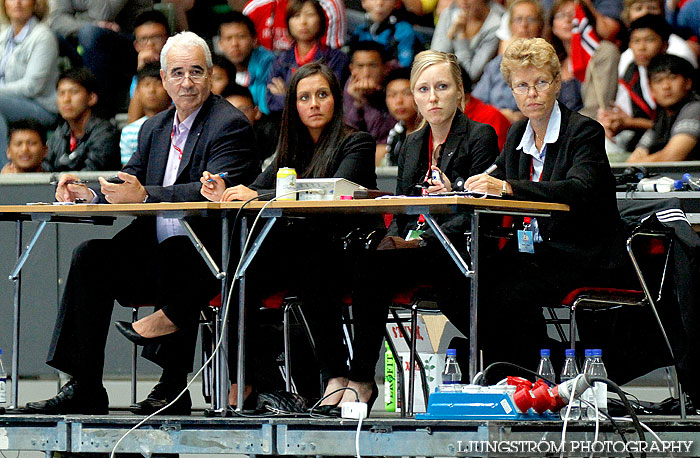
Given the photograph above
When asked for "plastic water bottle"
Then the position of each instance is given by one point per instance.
(451, 375)
(545, 369)
(692, 182)
(3, 383)
(596, 368)
(568, 372)
(588, 394)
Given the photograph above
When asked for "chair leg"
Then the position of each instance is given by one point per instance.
(134, 357)
(412, 360)
(287, 353)
(206, 327)
(572, 326)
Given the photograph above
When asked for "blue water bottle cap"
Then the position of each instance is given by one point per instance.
(570, 352)
(544, 352)
(597, 352)
(687, 177)
(678, 185)
(588, 353)
(451, 352)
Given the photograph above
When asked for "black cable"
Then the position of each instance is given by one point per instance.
(625, 401)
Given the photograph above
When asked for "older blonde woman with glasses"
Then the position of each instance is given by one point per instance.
(553, 155)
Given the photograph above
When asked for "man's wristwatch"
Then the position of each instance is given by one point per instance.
(504, 190)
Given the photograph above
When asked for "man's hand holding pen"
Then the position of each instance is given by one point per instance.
(70, 187)
(213, 186)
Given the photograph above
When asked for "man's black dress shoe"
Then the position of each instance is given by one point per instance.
(160, 396)
(127, 329)
(73, 398)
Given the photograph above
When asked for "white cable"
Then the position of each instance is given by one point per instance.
(656, 436)
(357, 438)
(572, 400)
(597, 416)
(224, 324)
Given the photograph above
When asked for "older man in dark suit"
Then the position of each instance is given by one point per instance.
(151, 260)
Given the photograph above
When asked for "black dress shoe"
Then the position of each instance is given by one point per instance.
(328, 410)
(127, 329)
(73, 398)
(160, 396)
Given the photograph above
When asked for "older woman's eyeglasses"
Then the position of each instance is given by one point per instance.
(523, 88)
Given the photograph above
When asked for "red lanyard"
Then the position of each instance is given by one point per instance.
(175, 147)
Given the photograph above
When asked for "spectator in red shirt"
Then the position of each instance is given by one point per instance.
(478, 111)
(271, 25)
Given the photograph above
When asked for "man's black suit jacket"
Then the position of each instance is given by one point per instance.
(221, 140)
(470, 148)
(577, 173)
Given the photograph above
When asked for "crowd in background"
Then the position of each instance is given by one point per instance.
(79, 77)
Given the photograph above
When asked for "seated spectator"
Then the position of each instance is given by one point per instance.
(270, 19)
(606, 16)
(154, 99)
(634, 108)
(26, 147)
(82, 141)
(676, 130)
(402, 107)
(363, 99)
(478, 111)
(28, 67)
(238, 43)
(266, 131)
(634, 9)
(150, 33)
(684, 16)
(398, 38)
(103, 33)
(468, 28)
(560, 26)
(306, 27)
(526, 21)
(222, 73)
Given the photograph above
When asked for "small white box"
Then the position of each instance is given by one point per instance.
(327, 188)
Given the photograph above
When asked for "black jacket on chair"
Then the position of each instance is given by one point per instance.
(470, 148)
(577, 173)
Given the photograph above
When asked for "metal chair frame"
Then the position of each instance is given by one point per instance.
(647, 300)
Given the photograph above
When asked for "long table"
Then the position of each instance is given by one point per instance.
(426, 206)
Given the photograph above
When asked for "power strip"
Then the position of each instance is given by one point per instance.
(354, 410)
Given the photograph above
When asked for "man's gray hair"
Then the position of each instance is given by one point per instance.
(184, 40)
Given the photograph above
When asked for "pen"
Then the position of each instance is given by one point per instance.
(222, 175)
(492, 168)
(54, 182)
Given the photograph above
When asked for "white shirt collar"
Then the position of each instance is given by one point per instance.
(527, 143)
(185, 125)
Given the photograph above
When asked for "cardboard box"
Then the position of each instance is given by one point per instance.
(434, 333)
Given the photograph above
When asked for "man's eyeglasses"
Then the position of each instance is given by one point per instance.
(522, 89)
(196, 76)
